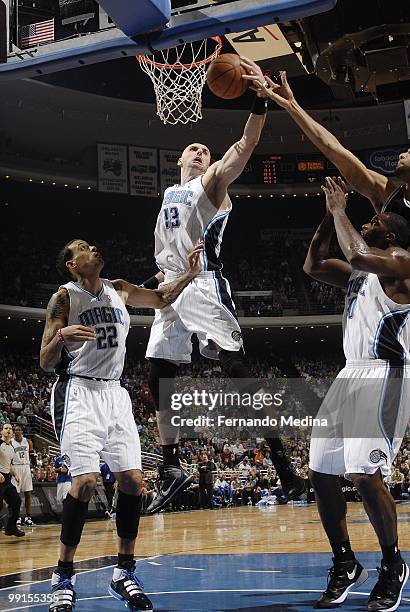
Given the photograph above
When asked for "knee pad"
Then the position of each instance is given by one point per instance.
(128, 514)
(160, 368)
(74, 515)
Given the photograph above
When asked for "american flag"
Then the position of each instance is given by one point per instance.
(36, 33)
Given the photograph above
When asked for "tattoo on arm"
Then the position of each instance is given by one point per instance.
(58, 306)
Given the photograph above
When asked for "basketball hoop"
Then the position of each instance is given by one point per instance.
(178, 75)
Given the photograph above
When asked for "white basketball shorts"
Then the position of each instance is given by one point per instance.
(204, 308)
(93, 420)
(367, 410)
(26, 481)
(63, 488)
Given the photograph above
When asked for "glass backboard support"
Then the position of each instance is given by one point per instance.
(142, 26)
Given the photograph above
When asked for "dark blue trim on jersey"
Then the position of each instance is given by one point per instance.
(65, 363)
(60, 396)
(99, 294)
(386, 343)
(390, 401)
(212, 238)
(224, 297)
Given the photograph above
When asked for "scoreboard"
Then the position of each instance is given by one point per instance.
(286, 169)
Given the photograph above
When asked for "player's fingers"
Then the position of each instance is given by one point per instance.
(284, 78)
(246, 62)
(83, 328)
(269, 83)
(252, 77)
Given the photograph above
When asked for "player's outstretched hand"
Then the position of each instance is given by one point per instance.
(254, 75)
(194, 259)
(77, 333)
(336, 194)
(264, 86)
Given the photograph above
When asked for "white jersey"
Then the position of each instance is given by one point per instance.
(187, 216)
(21, 452)
(374, 327)
(107, 314)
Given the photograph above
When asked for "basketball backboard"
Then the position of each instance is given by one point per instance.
(134, 27)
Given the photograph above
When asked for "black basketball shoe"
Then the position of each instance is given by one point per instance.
(294, 487)
(14, 532)
(126, 586)
(173, 481)
(386, 593)
(343, 576)
(63, 593)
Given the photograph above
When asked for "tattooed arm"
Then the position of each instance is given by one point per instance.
(56, 331)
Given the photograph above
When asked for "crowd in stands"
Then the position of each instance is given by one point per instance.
(29, 275)
(242, 466)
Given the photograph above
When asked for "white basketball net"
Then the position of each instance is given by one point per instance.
(178, 75)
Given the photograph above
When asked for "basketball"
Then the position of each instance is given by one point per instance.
(224, 77)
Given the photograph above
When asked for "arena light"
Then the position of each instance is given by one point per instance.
(30, 180)
(53, 183)
(7, 176)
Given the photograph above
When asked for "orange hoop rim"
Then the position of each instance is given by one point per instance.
(179, 66)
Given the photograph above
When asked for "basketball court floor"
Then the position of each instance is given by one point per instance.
(231, 559)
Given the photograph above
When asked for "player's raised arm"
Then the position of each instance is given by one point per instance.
(56, 331)
(373, 185)
(223, 172)
(393, 261)
(318, 264)
(159, 298)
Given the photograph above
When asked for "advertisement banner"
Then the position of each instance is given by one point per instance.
(383, 161)
(112, 168)
(143, 172)
(169, 171)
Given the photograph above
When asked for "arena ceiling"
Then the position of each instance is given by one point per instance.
(356, 54)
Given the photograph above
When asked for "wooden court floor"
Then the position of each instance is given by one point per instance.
(279, 529)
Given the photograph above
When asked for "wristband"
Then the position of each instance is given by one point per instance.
(60, 336)
(150, 283)
(259, 106)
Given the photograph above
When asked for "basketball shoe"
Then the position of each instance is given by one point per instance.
(294, 487)
(173, 481)
(386, 593)
(343, 576)
(63, 592)
(126, 586)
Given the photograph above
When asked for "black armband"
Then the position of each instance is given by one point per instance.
(259, 106)
(150, 283)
